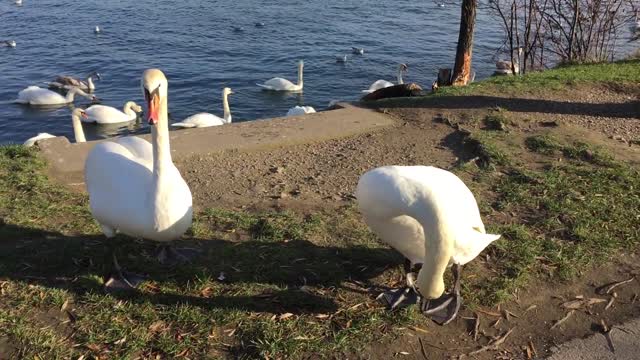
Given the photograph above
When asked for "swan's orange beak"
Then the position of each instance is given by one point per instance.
(153, 105)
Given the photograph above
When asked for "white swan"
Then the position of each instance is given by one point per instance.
(341, 58)
(280, 84)
(503, 67)
(78, 132)
(37, 96)
(300, 110)
(69, 82)
(9, 43)
(381, 84)
(205, 119)
(103, 114)
(431, 217)
(357, 50)
(134, 187)
(97, 30)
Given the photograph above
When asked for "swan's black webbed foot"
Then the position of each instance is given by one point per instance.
(399, 298)
(122, 280)
(443, 309)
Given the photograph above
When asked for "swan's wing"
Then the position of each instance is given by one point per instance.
(119, 185)
(68, 80)
(200, 120)
(139, 148)
(103, 114)
(264, 86)
(279, 84)
(379, 84)
(38, 96)
(32, 141)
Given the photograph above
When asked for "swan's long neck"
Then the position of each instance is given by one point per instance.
(300, 71)
(78, 131)
(400, 80)
(439, 247)
(128, 110)
(160, 141)
(71, 94)
(225, 107)
(90, 84)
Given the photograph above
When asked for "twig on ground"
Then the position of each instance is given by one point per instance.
(493, 345)
(476, 327)
(610, 303)
(606, 331)
(605, 289)
(563, 319)
(422, 350)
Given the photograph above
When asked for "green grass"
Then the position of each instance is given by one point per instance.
(578, 213)
(620, 72)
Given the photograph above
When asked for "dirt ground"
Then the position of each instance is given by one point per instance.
(323, 175)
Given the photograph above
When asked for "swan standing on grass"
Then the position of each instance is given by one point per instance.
(37, 96)
(280, 84)
(78, 132)
(431, 217)
(300, 110)
(103, 114)
(381, 84)
(134, 187)
(205, 119)
(69, 82)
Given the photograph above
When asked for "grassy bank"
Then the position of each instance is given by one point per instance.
(617, 74)
(283, 284)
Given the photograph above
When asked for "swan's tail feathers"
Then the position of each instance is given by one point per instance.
(265, 86)
(183, 125)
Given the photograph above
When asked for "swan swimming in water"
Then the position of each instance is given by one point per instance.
(381, 84)
(300, 110)
(357, 51)
(341, 59)
(102, 114)
(432, 218)
(9, 43)
(205, 119)
(77, 130)
(134, 187)
(37, 96)
(68, 82)
(97, 30)
(280, 84)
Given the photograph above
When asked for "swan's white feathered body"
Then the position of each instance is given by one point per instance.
(32, 141)
(381, 84)
(133, 185)
(200, 120)
(280, 84)
(300, 110)
(103, 114)
(34, 95)
(427, 214)
(205, 119)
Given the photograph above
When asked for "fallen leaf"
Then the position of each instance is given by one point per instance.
(158, 326)
(206, 292)
(285, 316)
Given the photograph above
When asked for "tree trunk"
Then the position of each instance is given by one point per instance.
(462, 67)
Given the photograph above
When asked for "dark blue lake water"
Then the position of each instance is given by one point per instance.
(193, 42)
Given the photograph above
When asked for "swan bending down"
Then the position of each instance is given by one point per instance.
(69, 82)
(431, 217)
(134, 187)
(34, 95)
(78, 132)
(205, 119)
(300, 110)
(280, 84)
(381, 84)
(103, 114)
